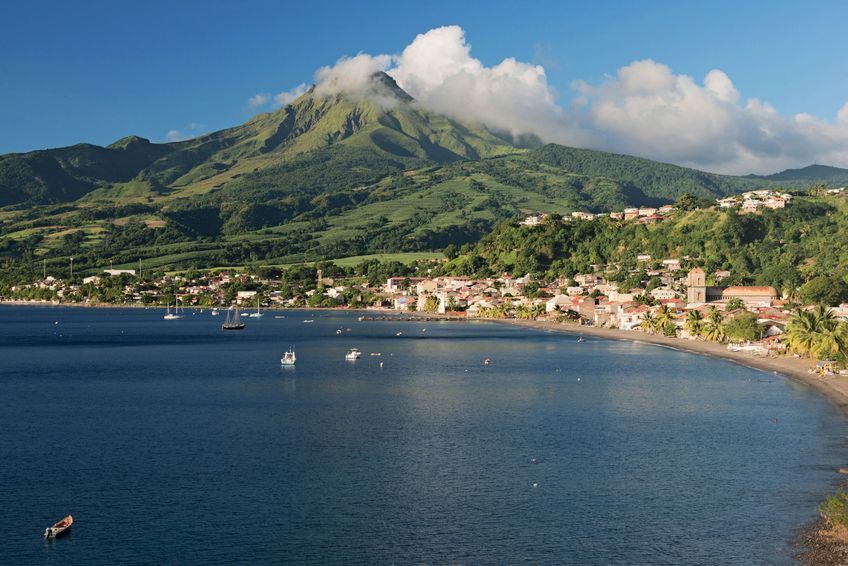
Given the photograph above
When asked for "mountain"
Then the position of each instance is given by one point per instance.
(817, 174)
(385, 127)
(329, 175)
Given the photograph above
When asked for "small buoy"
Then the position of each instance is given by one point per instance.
(578, 379)
(534, 461)
(57, 322)
(381, 364)
(535, 484)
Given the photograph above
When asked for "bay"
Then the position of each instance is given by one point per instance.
(175, 442)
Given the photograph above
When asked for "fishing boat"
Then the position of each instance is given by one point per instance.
(59, 527)
(353, 354)
(172, 315)
(233, 322)
(288, 358)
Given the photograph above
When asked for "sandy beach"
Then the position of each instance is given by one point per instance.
(834, 387)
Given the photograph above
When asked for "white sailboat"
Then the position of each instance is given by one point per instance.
(258, 313)
(172, 316)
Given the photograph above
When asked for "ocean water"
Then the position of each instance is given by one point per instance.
(175, 442)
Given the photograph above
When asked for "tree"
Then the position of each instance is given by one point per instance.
(665, 321)
(817, 333)
(734, 303)
(824, 290)
(714, 327)
(744, 326)
(648, 323)
(451, 252)
(695, 323)
(431, 304)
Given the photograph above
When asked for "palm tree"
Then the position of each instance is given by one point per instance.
(538, 310)
(714, 327)
(665, 321)
(523, 312)
(817, 333)
(801, 331)
(648, 323)
(695, 323)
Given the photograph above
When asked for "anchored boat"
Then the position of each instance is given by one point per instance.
(233, 322)
(288, 358)
(59, 528)
(353, 354)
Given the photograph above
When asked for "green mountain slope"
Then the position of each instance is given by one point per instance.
(327, 176)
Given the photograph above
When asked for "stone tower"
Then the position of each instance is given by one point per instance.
(696, 286)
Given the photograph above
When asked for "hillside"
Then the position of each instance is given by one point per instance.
(816, 174)
(781, 248)
(327, 176)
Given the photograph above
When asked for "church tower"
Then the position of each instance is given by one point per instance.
(696, 286)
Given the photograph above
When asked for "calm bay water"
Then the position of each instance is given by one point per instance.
(174, 442)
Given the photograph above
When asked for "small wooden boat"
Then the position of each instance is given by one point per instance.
(59, 528)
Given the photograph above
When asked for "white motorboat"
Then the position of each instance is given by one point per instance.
(353, 354)
(215, 312)
(289, 358)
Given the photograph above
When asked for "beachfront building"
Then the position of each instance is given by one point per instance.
(751, 296)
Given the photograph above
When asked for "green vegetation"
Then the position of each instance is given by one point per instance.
(818, 334)
(325, 177)
(835, 509)
(782, 248)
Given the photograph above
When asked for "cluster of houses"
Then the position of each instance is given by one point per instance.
(754, 201)
(643, 215)
(745, 203)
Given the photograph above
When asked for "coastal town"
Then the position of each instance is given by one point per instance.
(674, 299)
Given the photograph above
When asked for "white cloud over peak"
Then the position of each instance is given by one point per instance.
(350, 74)
(437, 69)
(645, 109)
(258, 100)
(289, 96)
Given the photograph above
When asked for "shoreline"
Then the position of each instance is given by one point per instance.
(834, 388)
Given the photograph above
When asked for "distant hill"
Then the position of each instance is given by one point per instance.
(326, 176)
(816, 174)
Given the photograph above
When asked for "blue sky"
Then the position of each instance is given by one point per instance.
(97, 71)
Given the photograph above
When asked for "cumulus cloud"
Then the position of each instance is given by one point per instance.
(438, 70)
(258, 100)
(289, 96)
(350, 75)
(645, 109)
(648, 110)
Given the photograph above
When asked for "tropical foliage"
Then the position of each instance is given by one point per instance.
(817, 333)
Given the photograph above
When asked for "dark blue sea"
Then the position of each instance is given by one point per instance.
(174, 442)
